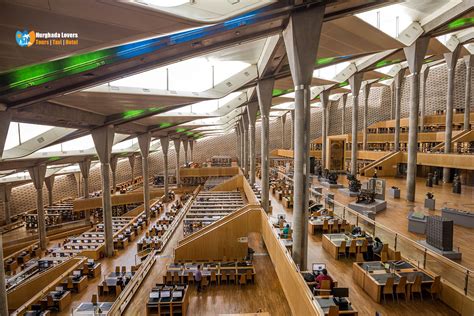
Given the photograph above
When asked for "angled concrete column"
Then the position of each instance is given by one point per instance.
(191, 148)
(237, 149)
(365, 93)
(451, 60)
(301, 38)
(5, 118)
(344, 101)
(165, 141)
(242, 146)
(283, 121)
(103, 140)
(252, 109)
(245, 120)
(49, 181)
(144, 144)
(37, 174)
(177, 147)
(131, 161)
(5, 198)
(113, 168)
(424, 75)
(264, 92)
(414, 55)
(398, 90)
(324, 96)
(3, 289)
(292, 112)
(185, 147)
(469, 61)
(355, 82)
(85, 167)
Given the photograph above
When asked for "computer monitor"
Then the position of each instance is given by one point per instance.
(120, 236)
(340, 292)
(318, 266)
(155, 294)
(90, 261)
(76, 273)
(165, 294)
(177, 294)
(59, 289)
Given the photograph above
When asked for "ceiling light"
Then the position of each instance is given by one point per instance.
(164, 3)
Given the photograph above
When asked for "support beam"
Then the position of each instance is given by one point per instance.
(144, 144)
(469, 61)
(3, 289)
(191, 147)
(414, 55)
(283, 121)
(301, 37)
(165, 141)
(237, 150)
(177, 147)
(355, 82)
(264, 92)
(424, 76)
(451, 60)
(292, 129)
(5, 119)
(365, 119)
(5, 198)
(398, 101)
(344, 102)
(245, 122)
(103, 141)
(85, 167)
(324, 96)
(113, 168)
(185, 147)
(252, 109)
(37, 174)
(49, 181)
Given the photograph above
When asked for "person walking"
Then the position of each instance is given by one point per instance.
(198, 278)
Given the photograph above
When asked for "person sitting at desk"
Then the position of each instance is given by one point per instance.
(378, 245)
(286, 231)
(323, 276)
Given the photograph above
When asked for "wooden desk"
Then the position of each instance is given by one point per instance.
(326, 301)
(332, 242)
(79, 284)
(316, 224)
(61, 303)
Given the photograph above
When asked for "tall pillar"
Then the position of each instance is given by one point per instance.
(5, 198)
(451, 60)
(292, 129)
(245, 120)
(355, 82)
(301, 47)
(85, 167)
(392, 99)
(264, 92)
(144, 144)
(469, 61)
(237, 149)
(177, 147)
(283, 121)
(365, 92)
(398, 90)
(49, 181)
(424, 75)
(131, 161)
(3, 289)
(242, 146)
(414, 55)
(103, 141)
(344, 101)
(37, 174)
(191, 148)
(324, 96)
(164, 141)
(113, 168)
(185, 147)
(252, 109)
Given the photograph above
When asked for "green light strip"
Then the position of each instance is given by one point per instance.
(460, 22)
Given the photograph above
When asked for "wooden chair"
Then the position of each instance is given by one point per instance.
(124, 269)
(353, 248)
(94, 299)
(176, 278)
(242, 279)
(85, 270)
(388, 289)
(435, 287)
(342, 249)
(364, 247)
(204, 283)
(232, 276)
(326, 226)
(248, 275)
(117, 269)
(224, 278)
(401, 288)
(118, 290)
(333, 310)
(359, 257)
(169, 278)
(384, 256)
(416, 287)
(50, 303)
(190, 278)
(105, 288)
(213, 277)
(397, 256)
(70, 285)
(324, 288)
(335, 226)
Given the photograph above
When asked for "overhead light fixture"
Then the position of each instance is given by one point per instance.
(164, 3)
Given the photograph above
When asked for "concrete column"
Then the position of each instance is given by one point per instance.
(237, 149)
(365, 92)
(49, 181)
(414, 55)
(292, 112)
(242, 146)
(177, 147)
(113, 168)
(3, 289)
(283, 121)
(301, 47)
(131, 161)
(37, 174)
(355, 82)
(392, 99)
(164, 141)
(191, 147)
(185, 147)
(451, 60)
(252, 109)
(85, 167)
(324, 96)
(344, 101)
(245, 120)
(144, 144)
(469, 61)
(264, 92)
(103, 141)
(424, 75)
(5, 198)
(398, 90)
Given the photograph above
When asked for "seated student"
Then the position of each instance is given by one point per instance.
(323, 276)
(378, 245)
(286, 231)
(356, 231)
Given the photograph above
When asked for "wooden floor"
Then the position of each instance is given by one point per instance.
(341, 270)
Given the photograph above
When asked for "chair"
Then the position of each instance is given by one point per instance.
(335, 226)
(118, 290)
(117, 269)
(85, 270)
(384, 256)
(242, 280)
(190, 278)
(175, 278)
(232, 276)
(105, 288)
(213, 278)
(416, 287)
(353, 248)
(388, 288)
(124, 269)
(324, 287)
(359, 257)
(94, 299)
(326, 226)
(50, 303)
(364, 247)
(342, 249)
(224, 278)
(204, 283)
(249, 276)
(70, 285)
(401, 287)
(333, 310)
(435, 287)
(397, 256)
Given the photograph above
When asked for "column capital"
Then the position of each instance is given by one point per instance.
(165, 141)
(415, 53)
(451, 58)
(49, 181)
(469, 60)
(355, 82)
(264, 92)
(37, 174)
(103, 140)
(324, 97)
(252, 109)
(113, 163)
(144, 144)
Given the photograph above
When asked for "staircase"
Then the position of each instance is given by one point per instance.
(460, 137)
(386, 162)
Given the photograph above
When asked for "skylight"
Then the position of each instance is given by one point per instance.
(18, 133)
(125, 144)
(391, 19)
